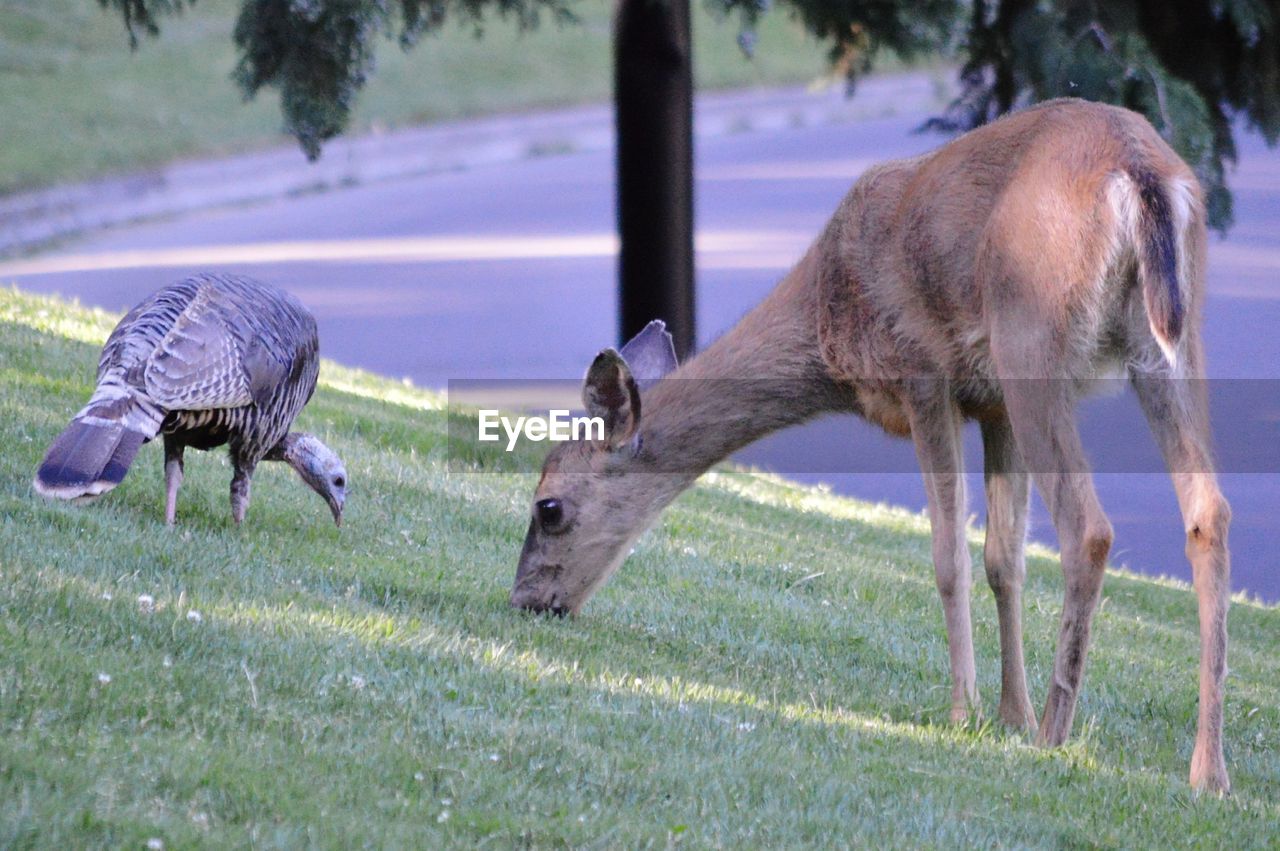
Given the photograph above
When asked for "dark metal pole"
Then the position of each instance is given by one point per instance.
(653, 95)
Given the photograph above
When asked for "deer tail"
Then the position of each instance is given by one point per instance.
(1160, 218)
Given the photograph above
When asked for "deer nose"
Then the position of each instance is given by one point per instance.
(532, 602)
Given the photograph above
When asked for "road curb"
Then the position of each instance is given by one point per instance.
(31, 220)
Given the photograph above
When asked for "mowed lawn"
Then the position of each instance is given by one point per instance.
(768, 669)
(78, 104)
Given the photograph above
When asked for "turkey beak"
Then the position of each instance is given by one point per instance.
(335, 506)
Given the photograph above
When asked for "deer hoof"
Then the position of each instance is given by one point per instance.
(1018, 716)
(1209, 773)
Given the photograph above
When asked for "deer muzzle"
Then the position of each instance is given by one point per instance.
(539, 599)
(538, 587)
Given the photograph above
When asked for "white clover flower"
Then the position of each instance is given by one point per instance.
(357, 681)
(103, 679)
(194, 616)
(155, 843)
(146, 603)
(746, 727)
(443, 817)
(493, 757)
(106, 595)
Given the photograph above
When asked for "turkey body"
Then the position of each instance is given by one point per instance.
(208, 361)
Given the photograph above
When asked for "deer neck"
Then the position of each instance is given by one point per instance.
(765, 374)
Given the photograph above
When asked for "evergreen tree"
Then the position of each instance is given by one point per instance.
(1195, 68)
(1192, 67)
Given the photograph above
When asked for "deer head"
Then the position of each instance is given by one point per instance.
(589, 508)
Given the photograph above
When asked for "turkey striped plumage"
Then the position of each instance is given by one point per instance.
(212, 360)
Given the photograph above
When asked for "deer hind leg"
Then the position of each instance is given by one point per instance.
(935, 428)
(1177, 410)
(1008, 492)
(1041, 412)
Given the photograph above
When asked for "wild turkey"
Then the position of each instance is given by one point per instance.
(214, 359)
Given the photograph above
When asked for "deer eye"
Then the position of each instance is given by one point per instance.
(550, 514)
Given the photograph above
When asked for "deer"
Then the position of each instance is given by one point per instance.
(991, 280)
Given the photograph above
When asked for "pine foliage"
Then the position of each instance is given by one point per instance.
(1197, 69)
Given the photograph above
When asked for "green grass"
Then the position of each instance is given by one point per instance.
(77, 104)
(768, 669)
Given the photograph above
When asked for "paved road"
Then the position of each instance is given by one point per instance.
(507, 271)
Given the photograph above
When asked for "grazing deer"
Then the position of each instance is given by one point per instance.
(989, 280)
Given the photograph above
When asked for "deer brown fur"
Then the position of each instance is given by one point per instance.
(990, 280)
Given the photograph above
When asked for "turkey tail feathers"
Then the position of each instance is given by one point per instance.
(87, 460)
(93, 453)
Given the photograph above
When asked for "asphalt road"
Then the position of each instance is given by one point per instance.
(507, 271)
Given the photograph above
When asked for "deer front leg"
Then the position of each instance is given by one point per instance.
(1008, 490)
(1043, 418)
(935, 429)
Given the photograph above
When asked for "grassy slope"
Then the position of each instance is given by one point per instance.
(769, 668)
(76, 103)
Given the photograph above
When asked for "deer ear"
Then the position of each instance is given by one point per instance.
(651, 354)
(610, 393)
